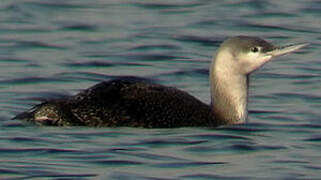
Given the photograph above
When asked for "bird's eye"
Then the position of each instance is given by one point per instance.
(254, 49)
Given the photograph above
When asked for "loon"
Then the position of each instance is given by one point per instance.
(138, 103)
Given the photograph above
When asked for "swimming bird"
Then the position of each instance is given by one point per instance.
(133, 102)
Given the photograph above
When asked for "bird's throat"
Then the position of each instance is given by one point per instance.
(229, 94)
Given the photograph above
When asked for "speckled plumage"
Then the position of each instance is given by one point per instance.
(134, 102)
(124, 102)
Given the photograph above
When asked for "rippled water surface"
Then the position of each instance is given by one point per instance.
(55, 48)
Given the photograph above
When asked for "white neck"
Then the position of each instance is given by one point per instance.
(229, 90)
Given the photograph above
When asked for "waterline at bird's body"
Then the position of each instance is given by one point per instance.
(136, 103)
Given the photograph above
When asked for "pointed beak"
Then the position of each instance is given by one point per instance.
(279, 51)
(276, 51)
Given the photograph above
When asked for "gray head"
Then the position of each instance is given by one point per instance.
(234, 61)
(247, 53)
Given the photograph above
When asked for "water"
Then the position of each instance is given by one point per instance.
(56, 48)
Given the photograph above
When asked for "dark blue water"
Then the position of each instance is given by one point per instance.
(56, 48)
